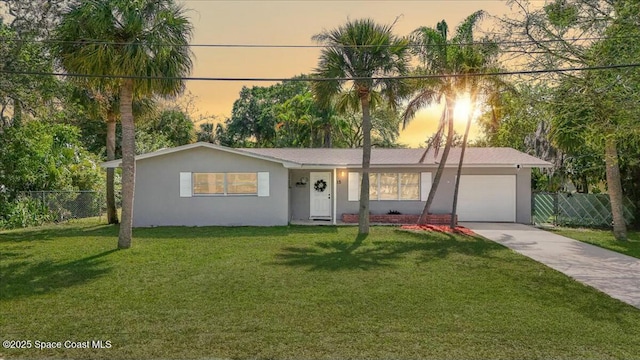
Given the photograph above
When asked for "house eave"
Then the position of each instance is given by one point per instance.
(289, 164)
(448, 166)
(311, 166)
(118, 162)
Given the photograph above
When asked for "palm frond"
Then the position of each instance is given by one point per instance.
(347, 100)
(363, 49)
(464, 31)
(121, 37)
(426, 96)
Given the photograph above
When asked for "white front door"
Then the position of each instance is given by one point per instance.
(320, 194)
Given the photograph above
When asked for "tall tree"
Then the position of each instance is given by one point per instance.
(254, 117)
(599, 112)
(143, 44)
(446, 58)
(355, 66)
(175, 124)
(35, 17)
(101, 101)
(99, 104)
(385, 128)
(22, 94)
(477, 56)
(585, 33)
(300, 122)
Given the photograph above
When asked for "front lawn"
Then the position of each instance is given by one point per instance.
(604, 239)
(297, 293)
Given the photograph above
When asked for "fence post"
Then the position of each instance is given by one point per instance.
(556, 208)
(533, 208)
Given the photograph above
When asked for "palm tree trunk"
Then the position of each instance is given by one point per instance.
(449, 106)
(614, 186)
(327, 135)
(128, 163)
(363, 222)
(454, 207)
(112, 214)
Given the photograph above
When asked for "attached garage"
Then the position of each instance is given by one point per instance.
(487, 198)
(204, 184)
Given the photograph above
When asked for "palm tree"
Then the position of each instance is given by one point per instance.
(363, 54)
(100, 104)
(476, 57)
(479, 88)
(142, 46)
(445, 58)
(104, 104)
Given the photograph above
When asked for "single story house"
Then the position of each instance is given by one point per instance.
(202, 184)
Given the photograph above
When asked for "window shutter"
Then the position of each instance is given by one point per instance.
(186, 186)
(354, 186)
(425, 185)
(263, 184)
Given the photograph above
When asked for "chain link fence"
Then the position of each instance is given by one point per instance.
(575, 209)
(66, 205)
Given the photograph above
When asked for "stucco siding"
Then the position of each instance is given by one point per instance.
(442, 202)
(523, 198)
(157, 192)
(300, 201)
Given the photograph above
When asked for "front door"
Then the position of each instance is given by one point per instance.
(320, 194)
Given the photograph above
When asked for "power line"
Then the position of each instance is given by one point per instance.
(302, 46)
(299, 79)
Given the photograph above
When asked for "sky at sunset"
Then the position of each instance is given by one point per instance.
(294, 23)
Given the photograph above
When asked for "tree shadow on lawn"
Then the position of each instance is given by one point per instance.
(56, 232)
(341, 255)
(194, 232)
(25, 278)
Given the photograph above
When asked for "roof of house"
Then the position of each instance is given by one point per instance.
(399, 157)
(323, 157)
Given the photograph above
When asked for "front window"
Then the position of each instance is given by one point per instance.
(242, 183)
(373, 186)
(409, 186)
(388, 184)
(208, 183)
(394, 186)
(225, 183)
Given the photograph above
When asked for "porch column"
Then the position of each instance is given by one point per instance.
(335, 194)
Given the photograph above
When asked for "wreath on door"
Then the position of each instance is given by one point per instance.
(320, 185)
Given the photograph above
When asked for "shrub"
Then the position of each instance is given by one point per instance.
(25, 211)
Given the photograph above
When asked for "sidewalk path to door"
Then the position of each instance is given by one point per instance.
(615, 274)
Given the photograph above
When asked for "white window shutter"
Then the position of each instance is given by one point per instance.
(186, 186)
(425, 185)
(354, 186)
(263, 184)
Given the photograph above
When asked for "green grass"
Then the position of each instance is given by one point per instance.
(297, 293)
(604, 239)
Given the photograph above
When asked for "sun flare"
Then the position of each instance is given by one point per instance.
(462, 108)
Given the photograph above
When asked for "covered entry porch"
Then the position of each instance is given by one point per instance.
(313, 195)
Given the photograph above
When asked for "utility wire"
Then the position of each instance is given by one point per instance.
(299, 79)
(300, 46)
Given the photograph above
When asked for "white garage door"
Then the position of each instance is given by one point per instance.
(487, 198)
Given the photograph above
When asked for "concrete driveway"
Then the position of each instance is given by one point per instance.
(613, 273)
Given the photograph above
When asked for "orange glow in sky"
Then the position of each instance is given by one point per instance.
(294, 23)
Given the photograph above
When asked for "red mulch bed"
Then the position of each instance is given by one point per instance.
(440, 228)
